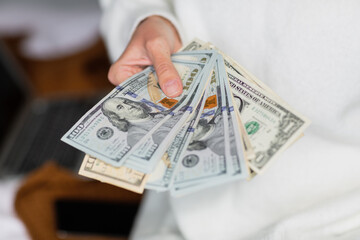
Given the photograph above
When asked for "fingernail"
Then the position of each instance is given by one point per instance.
(173, 88)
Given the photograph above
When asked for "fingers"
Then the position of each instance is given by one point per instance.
(158, 53)
(169, 80)
(132, 61)
(119, 72)
(152, 44)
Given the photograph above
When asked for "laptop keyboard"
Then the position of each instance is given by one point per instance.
(39, 139)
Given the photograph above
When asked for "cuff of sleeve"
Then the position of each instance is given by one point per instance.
(169, 16)
(117, 29)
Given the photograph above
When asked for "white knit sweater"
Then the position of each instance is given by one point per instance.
(307, 51)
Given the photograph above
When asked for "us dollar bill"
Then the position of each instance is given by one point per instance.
(235, 139)
(236, 69)
(152, 146)
(270, 123)
(163, 176)
(115, 124)
(121, 177)
(266, 149)
(234, 157)
(146, 153)
(226, 125)
(193, 56)
(198, 55)
(193, 45)
(257, 104)
(204, 162)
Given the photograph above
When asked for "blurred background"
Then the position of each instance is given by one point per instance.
(53, 69)
(56, 42)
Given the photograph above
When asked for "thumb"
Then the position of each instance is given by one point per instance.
(169, 78)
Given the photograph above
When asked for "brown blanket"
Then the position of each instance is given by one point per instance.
(34, 202)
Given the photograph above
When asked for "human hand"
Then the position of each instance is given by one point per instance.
(152, 43)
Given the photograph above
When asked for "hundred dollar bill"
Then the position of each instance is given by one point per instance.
(235, 140)
(147, 152)
(204, 162)
(231, 161)
(121, 177)
(115, 124)
(193, 45)
(162, 178)
(193, 55)
(198, 55)
(232, 147)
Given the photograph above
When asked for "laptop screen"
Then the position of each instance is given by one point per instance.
(12, 94)
(37, 130)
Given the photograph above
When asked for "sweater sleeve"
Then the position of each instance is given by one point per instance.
(121, 17)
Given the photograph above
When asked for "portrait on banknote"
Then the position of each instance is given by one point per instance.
(121, 112)
(136, 119)
(208, 134)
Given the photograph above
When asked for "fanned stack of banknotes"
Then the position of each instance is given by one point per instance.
(226, 126)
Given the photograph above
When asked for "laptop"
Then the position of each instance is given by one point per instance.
(31, 127)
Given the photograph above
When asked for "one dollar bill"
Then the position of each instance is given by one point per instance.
(119, 176)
